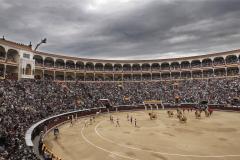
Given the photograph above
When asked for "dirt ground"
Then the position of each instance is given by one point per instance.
(217, 137)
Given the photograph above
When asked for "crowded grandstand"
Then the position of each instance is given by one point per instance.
(37, 85)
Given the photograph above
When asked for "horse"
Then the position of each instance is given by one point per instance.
(179, 113)
(152, 116)
(198, 114)
(207, 113)
(210, 111)
(170, 113)
(178, 110)
(56, 132)
(182, 118)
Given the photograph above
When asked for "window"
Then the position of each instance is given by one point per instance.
(26, 55)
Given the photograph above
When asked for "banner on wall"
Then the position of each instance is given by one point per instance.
(152, 101)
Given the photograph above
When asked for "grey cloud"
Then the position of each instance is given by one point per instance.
(152, 29)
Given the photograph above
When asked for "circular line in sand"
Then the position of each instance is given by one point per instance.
(158, 152)
(103, 149)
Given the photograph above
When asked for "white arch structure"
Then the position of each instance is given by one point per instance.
(14, 57)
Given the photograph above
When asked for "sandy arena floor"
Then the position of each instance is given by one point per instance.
(214, 138)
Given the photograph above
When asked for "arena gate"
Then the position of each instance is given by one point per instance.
(106, 103)
(153, 104)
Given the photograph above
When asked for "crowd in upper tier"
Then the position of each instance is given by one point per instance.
(22, 103)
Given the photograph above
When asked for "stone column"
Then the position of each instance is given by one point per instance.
(4, 72)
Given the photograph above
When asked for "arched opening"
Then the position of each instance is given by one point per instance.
(117, 67)
(117, 77)
(79, 65)
(98, 67)
(155, 67)
(197, 74)
(89, 77)
(186, 75)
(136, 67)
(60, 63)
(2, 53)
(2, 71)
(165, 76)
(70, 76)
(38, 60)
(175, 65)
(207, 73)
(108, 67)
(38, 74)
(99, 77)
(70, 64)
(232, 71)
(146, 76)
(126, 67)
(207, 62)
(136, 77)
(218, 61)
(185, 65)
(28, 70)
(12, 56)
(127, 77)
(165, 66)
(89, 66)
(49, 62)
(146, 67)
(231, 59)
(59, 76)
(156, 76)
(196, 64)
(48, 75)
(108, 77)
(11, 72)
(220, 72)
(80, 76)
(175, 75)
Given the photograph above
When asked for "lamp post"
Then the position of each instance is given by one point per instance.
(42, 41)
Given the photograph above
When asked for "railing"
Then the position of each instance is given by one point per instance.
(48, 123)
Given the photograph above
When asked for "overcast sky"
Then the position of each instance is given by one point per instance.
(124, 29)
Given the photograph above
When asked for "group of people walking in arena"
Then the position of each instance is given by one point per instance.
(130, 119)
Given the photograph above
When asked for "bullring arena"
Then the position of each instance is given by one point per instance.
(119, 80)
(164, 138)
(42, 93)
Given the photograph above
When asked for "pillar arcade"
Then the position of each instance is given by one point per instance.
(153, 104)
